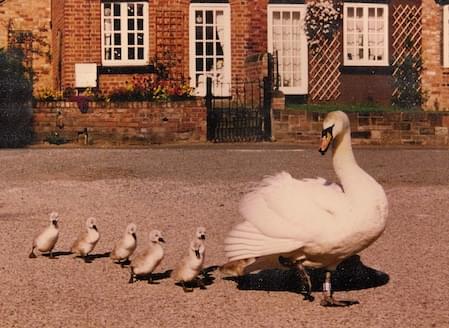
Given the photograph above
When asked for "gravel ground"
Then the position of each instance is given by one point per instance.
(402, 280)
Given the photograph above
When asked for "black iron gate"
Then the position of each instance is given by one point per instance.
(245, 115)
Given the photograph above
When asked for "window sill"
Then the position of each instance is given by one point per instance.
(367, 70)
(126, 69)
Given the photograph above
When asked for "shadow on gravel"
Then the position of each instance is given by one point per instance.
(58, 253)
(153, 278)
(204, 279)
(351, 274)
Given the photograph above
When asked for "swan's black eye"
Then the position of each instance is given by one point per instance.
(327, 131)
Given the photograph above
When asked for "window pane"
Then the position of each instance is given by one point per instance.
(198, 48)
(107, 40)
(140, 53)
(140, 39)
(131, 24)
(199, 65)
(117, 9)
(139, 9)
(209, 33)
(117, 39)
(131, 39)
(209, 63)
(117, 53)
(209, 17)
(209, 48)
(131, 10)
(107, 25)
(116, 24)
(199, 17)
(359, 12)
(219, 49)
(107, 9)
(140, 24)
(199, 33)
(380, 12)
(131, 53)
(107, 53)
(351, 12)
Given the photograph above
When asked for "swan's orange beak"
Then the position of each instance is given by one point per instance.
(326, 140)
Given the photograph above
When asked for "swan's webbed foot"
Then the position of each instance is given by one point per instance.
(328, 300)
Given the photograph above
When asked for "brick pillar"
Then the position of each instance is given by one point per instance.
(432, 55)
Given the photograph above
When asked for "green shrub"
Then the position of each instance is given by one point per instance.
(15, 100)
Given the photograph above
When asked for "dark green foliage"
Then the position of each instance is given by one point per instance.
(56, 139)
(15, 80)
(407, 80)
(15, 100)
(15, 125)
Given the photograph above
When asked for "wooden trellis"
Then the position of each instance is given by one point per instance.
(324, 73)
(170, 26)
(407, 29)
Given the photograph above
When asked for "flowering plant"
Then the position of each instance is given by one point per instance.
(323, 19)
(149, 89)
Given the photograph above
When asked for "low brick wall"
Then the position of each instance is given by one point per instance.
(373, 128)
(122, 123)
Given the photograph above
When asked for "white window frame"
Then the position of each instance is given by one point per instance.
(446, 36)
(124, 61)
(365, 61)
(221, 80)
(303, 47)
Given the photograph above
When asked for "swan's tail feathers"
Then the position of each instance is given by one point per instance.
(245, 241)
(236, 268)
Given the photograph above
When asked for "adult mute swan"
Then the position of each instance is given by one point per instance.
(310, 223)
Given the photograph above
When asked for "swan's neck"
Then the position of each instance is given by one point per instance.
(352, 177)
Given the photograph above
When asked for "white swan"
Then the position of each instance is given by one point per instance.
(310, 223)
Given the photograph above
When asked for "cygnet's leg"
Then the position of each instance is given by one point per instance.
(131, 275)
(328, 299)
(32, 255)
(184, 288)
(305, 279)
(150, 279)
(200, 283)
(52, 256)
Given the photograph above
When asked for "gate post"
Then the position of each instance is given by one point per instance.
(268, 97)
(211, 121)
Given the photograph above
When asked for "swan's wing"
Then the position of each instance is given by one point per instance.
(284, 214)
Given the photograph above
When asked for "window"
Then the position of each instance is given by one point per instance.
(287, 38)
(124, 36)
(365, 27)
(446, 36)
(210, 48)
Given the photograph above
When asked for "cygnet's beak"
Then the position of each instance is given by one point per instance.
(326, 140)
(134, 235)
(94, 227)
(55, 223)
(203, 237)
(161, 240)
(197, 253)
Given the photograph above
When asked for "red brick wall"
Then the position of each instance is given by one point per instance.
(375, 128)
(128, 123)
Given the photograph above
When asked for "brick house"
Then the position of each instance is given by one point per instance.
(105, 43)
